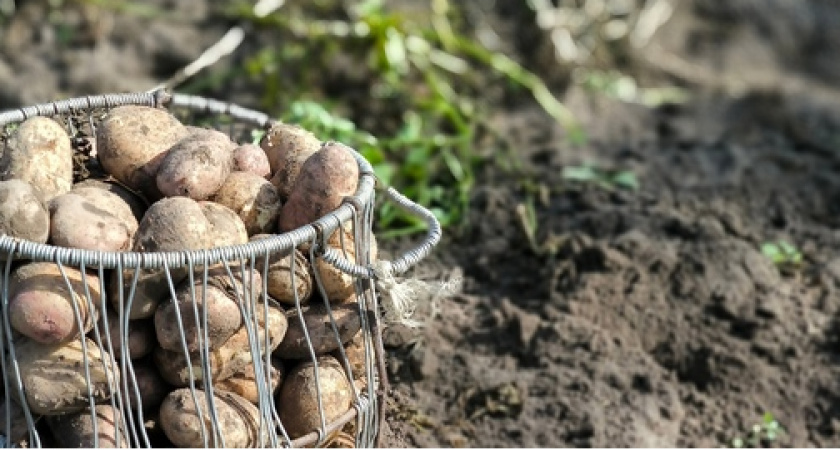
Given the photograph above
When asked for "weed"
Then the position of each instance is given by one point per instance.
(604, 178)
(782, 253)
(420, 116)
(766, 432)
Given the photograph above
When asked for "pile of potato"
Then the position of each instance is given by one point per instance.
(173, 187)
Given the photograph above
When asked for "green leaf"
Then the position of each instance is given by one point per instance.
(771, 250)
(626, 179)
(580, 173)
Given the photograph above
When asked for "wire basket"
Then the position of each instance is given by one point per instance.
(109, 398)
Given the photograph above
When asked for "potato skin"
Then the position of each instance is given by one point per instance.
(287, 146)
(298, 397)
(354, 351)
(210, 134)
(39, 152)
(42, 308)
(252, 159)
(238, 420)
(53, 376)
(170, 224)
(326, 178)
(317, 322)
(230, 357)
(22, 213)
(279, 280)
(113, 199)
(76, 430)
(226, 228)
(77, 222)
(141, 336)
(244, 381)
(135, 202)
(218, 302)
(131, 143)
(255, 200)
(195, 167)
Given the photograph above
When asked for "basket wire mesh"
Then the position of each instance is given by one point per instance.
(111, 380)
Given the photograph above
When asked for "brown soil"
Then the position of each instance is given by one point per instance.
(644, 318)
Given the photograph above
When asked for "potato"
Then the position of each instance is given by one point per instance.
(18, 433)
(318, 324)
(131, 143)
(154, 431)
(279, 280)
(170, 224)
(173, 224)
(244, 382)
(211, 134)
(114, 202)
(150, 385)
(325, 179)
(41, 306)
(195, 167)
(354, 351)
(76, 430)
(238, 420)
(230, 357)
(338, 285)
(77, 222)
(252, 159)
(22, 213)
(53, 376)
(218, 302)
(39, 152)
(253, 198)
(141, 336)
(136, 203)
(226, 228)
(287, 146)
(298, 398)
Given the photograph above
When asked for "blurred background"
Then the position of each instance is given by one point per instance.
(641, 198)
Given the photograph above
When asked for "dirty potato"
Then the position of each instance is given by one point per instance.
(54, 377)
(287, 146)
(131, 143)
(39, 152)
(184, 419)
(279, 282)
(77, 222)
(316, 320)
(170, 224)
(195, 167)
(252, 197)
(298, 400)
(43, 301)
(22, 213)
(325, 179)
(252, 159)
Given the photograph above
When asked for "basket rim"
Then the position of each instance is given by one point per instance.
(275, 243)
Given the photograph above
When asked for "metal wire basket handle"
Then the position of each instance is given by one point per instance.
(280, 242)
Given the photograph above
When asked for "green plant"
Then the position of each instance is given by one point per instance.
(782, 253)
(606, 179)
(421, 77)
(768, 431)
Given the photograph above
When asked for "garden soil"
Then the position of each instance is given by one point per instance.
(646, 317)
